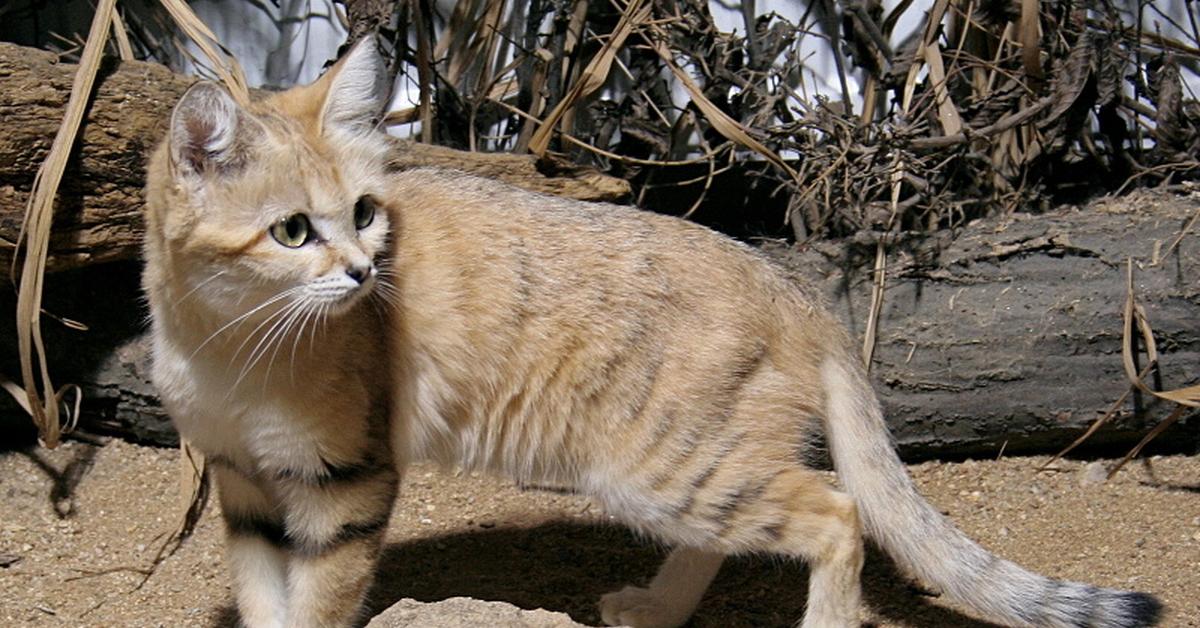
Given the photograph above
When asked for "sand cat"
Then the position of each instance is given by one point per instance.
(319, 322)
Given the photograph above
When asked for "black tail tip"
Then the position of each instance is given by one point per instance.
(1144, 609)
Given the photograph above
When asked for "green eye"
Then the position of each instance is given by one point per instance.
(364, 212)
(292, 231)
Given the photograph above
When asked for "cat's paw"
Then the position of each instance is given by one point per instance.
(643, 608)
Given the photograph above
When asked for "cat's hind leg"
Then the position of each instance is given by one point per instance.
(671, 597)
(821, 526)
(795, 513)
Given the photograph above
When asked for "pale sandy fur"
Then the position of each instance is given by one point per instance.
(673, 374)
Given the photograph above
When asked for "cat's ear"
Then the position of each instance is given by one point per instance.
(209, 131)
(358, 92)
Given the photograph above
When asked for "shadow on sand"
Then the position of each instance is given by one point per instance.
(566, 567)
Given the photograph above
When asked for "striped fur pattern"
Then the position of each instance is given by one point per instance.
(672, 374)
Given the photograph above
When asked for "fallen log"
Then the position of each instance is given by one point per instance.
(1002, 337)
(99, 207)
(1006, 335)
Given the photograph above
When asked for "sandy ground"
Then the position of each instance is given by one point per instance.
(76, 523)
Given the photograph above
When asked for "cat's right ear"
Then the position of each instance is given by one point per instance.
(207, 131)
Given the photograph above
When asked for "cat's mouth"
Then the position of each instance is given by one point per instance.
(338, 297)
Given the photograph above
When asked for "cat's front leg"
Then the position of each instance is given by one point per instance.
(335, 524)
(255, 547)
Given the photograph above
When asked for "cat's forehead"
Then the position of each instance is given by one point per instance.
(298, 173)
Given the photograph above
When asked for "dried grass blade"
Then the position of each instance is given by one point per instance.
(424, 71)
(1158, 429)
(721, 122)
(1100, 422)
(1030, 34)
(879, 279)
(879, 275)
(493, 17)
(124, 48)
(594, 75)
(947, 113)
(455, 33)
(223, 63)
(1134, 314)
(933, 22)
(1179, 238)
(35, 235)
(191, 478)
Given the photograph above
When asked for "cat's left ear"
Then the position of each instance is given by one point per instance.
(358, 93)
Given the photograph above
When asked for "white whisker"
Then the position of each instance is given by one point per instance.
(261, 348)
(270, 319)
(241, 318)
(309, 311)
(280, 337)
(200, 285)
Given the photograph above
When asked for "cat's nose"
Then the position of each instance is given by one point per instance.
(359, 273)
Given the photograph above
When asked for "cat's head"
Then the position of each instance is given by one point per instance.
(279, 197)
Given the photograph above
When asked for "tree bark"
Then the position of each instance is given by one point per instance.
(1006, 336)
(98, 213)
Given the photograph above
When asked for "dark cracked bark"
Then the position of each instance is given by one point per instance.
(1012, 341)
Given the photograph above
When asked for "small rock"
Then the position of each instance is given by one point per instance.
(461, 612)
(1093, 473)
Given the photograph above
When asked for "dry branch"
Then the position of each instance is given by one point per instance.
(98, 217)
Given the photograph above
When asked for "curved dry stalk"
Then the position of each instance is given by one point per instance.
(35, 237)
(1136, 316)
(223, 62)
(594, 75)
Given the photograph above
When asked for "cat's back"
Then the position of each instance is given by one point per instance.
(484, 219)
(497, 265)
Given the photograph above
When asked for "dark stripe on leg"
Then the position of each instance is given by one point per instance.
(698, 483)
(330, 473)
(250, 525)
(348, 533)
(746, 494)
(774, 531)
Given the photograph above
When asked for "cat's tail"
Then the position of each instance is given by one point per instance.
(930, 547)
